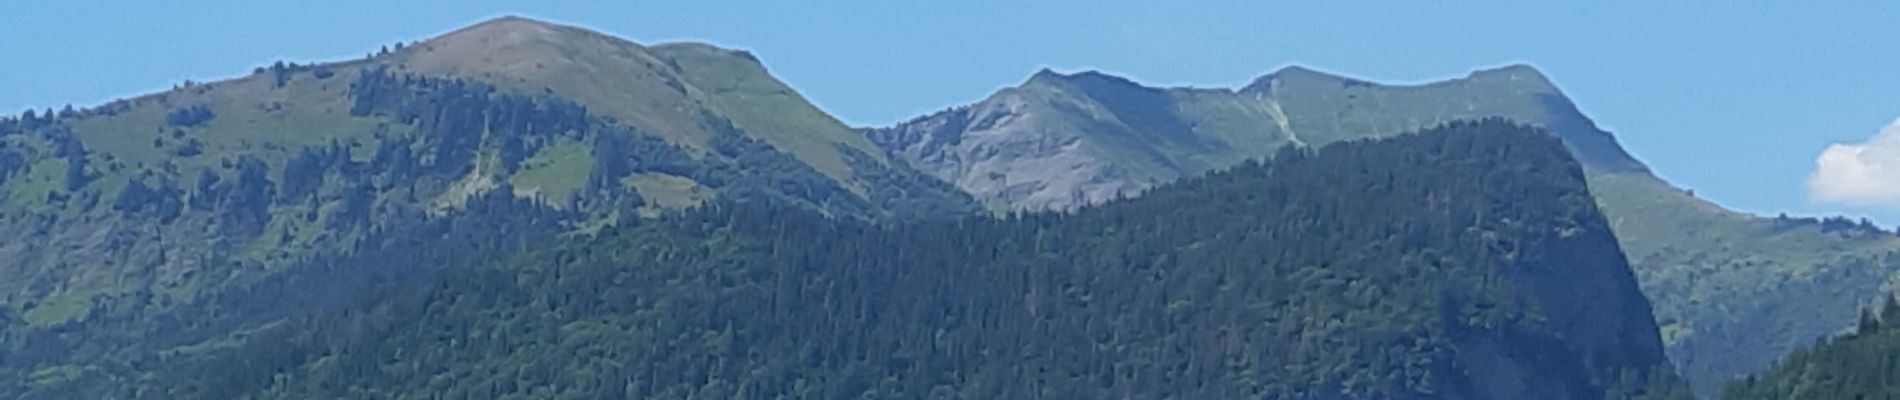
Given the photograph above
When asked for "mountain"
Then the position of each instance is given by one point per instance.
(158, 233)
(1061, 141)
(1464, 262)
(1860, 365)
(162, 199)
(1733, 291)
(664, 90)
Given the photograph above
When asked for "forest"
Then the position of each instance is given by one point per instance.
(1466, 262)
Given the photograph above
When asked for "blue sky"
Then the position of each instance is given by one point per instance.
(1733, 102)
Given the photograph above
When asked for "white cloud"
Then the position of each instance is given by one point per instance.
(1866, 173)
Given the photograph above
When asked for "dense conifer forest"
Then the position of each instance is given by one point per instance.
(1467, 262)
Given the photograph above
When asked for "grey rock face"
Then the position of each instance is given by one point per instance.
(1009, 151)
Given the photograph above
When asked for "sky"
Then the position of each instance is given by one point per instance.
(1737, 103)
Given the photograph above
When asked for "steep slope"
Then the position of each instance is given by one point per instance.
(1324, 108)
(1467, 262)
(1861, 365)
(661, 89)
(1733, 291)
(163, 199)
(1060, 141)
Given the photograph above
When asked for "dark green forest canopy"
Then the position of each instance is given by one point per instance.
(1466, 262)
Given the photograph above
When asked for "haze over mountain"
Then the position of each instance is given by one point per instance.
(1733, 291)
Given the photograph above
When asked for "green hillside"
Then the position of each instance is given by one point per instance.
(158, 200)
(661, 89)
(1317, 276)
(1733, 291)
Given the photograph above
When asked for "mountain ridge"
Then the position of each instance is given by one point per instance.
(1231, 124)
(1689, 252)
(609, 73)
(166, 194)
(167, 198)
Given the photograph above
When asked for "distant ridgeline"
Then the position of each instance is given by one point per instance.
(1861, 365)
(1465, 262)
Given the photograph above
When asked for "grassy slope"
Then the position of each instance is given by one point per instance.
(1156, 135)
(554, 173)
(254, 118)
(1732, 291)
(1649, 208)
(734, 84)
(658, 94)
(1324, 108)
(667, 191)
(660, 89)
(1245, 127)
(609, 76)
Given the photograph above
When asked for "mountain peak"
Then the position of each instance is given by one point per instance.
(1296, 74)
(1084, 77)
(517, 23)
(1514, 74)
(666, 90)
(504, 31)
(513, 20)
(1523, 76)
(1302, 71)
(1046, 76)
(1509, 69)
